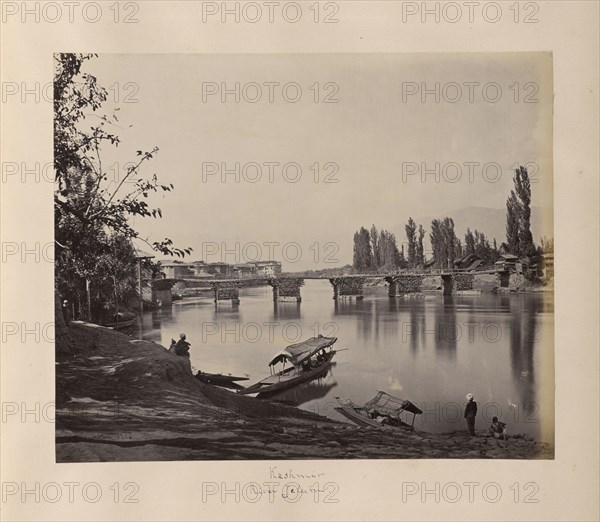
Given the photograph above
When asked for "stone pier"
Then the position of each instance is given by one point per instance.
(463, 282)
(226, 290)
(404, 284)
(448, 284)
(286, 289)
(348, 286)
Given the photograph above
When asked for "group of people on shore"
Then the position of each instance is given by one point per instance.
(181, 347)
(497, 429)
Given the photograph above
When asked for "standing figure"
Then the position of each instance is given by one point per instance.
(470, 413)
(66, 307)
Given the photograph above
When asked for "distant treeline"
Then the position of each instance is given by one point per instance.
(375, 250)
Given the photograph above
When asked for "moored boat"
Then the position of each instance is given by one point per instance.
(383, 410)
(218, 379)
(308, 360)
(122, 320)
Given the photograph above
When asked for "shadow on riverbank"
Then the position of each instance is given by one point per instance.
(119, 399)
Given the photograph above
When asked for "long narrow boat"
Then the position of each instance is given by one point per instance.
(308, 360)
(218, 379)
(122, 320)
(383, 410)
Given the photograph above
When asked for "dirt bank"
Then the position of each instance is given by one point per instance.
(119, 399)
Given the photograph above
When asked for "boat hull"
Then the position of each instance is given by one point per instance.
(266, 387)
(225, 381)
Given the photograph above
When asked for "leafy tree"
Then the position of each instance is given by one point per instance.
(411, 229)
(388, 251)
(444, 243)
(469, 242)
(375, 247)
(420, 254)
(92, 217)
(363, 257)
(523, 190)
(519, 240)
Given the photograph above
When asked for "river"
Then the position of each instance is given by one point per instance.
(432, 350)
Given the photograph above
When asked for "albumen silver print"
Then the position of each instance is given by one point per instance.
(332, 256)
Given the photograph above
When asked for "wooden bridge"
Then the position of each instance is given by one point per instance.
(287, 287)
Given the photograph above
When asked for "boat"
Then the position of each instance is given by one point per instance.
(122, 320)
(218, 379)
(382, 410)
(306, 391)
(308, 360)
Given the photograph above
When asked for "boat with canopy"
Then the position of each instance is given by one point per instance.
(300, 362)
(382, 410)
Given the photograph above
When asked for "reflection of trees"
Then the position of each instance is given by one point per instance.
(446, 329)
(523, 339)
(413, 331)
(359, 309)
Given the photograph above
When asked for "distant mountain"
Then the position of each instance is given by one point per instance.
(490, 221)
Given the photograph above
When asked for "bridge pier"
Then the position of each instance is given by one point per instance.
(448, 284)
(226, 290)
(392, 286)
(350, 286)
(288, 288)
(404, 284)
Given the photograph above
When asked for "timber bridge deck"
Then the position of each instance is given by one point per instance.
(287, 286)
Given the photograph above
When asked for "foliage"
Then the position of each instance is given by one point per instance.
(519, 240)
(92, 215)
(376, 250)
(411, 229)
(479, 245)
(420, 253)
(363, 257)
(375, 246)
(445, 245)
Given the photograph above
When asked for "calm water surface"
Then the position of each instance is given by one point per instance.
(431, 350)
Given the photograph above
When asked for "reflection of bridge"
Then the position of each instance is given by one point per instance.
(288, 286)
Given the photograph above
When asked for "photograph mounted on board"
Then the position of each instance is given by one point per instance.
(304, 256)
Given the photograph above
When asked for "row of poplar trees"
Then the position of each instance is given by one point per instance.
(374, 250)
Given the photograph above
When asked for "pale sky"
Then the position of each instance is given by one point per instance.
(369, 134)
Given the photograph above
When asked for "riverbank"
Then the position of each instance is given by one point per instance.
(121, 399)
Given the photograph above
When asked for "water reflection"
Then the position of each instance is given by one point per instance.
(447, 330)
(431, 350)
(286, 310)
(523, 343)
(307, 392)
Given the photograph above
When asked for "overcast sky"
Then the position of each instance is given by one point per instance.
(374, 134)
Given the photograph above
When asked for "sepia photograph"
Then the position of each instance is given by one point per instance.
(301, 260)
(304, 256)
